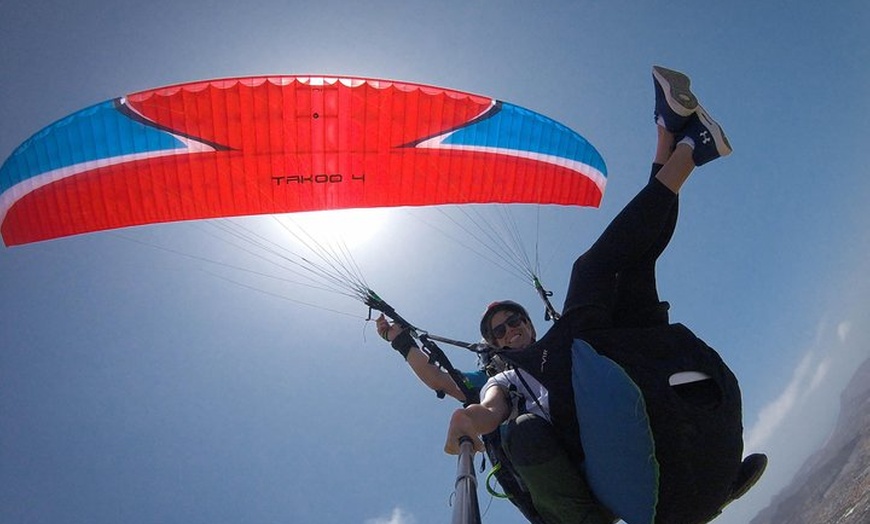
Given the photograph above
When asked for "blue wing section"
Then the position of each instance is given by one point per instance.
(514, 128)
(99, 132)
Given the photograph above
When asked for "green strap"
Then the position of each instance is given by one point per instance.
(491, 490)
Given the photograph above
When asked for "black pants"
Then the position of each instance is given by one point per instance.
(614, 282)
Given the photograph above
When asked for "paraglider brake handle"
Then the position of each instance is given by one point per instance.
(374, 302)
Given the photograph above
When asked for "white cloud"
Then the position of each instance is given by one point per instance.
(819, 365)
(398, 516)
(843, 330)
(773, 414)
(822, 369)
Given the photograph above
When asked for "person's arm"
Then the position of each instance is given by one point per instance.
(430, 374)
(477, 419)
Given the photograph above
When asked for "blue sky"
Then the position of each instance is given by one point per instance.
(141, 385)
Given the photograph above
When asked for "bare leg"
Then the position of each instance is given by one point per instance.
(664, 145)
(677, 169)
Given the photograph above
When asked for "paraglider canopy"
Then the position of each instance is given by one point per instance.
(263, 145)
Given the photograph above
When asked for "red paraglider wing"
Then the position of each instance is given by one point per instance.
(266, 145)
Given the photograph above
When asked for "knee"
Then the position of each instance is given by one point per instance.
(530, 440)
(650, 316)
(589, 316)
(582, 268)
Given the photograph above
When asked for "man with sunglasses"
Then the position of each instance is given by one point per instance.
(615, 410)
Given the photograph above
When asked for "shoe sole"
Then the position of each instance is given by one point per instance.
(752, 480)
(719, 138)
(747, 484)
(677, 91)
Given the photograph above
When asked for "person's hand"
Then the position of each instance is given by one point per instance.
(461, 425)
(386, 330)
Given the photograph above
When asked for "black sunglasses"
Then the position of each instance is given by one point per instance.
(512, 321)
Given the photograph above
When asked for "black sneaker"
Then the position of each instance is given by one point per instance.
(751, 470)
(675, 102)
(708, 137)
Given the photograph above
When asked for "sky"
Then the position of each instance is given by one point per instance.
(147, 375)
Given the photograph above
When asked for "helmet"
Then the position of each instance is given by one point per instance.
(495, 307)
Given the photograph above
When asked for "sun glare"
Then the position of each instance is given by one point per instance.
(352, 227)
